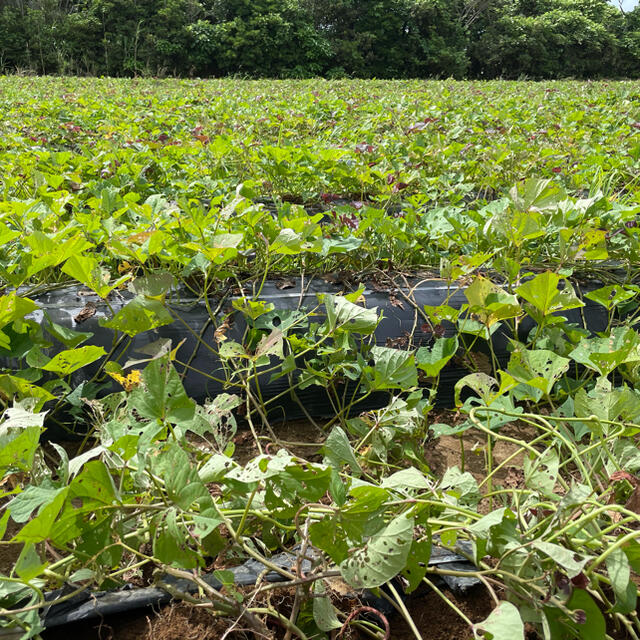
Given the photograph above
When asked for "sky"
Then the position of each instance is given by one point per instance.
(627, 5)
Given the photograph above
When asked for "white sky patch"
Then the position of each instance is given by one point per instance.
(627, 5)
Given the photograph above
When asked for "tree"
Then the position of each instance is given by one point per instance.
(548, 39)
(265, 38)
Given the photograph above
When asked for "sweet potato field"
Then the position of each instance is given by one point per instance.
(303, 355)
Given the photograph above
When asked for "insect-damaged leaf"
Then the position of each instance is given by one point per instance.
(71, 360)
(543, 295)
(141, 314)
(432, 360)
(392, 369)
(382, 557)
(162, 396)
(417, 563)
(490, 303)
(344, 314)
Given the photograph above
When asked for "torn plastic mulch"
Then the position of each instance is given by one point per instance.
(88, 605)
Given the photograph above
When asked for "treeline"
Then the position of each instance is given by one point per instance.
(331, 38)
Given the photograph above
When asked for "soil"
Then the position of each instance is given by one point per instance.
(437, 621)
(446, 451)
(433, 618)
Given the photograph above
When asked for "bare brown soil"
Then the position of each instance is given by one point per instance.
(434, 619)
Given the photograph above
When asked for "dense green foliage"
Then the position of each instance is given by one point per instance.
(333, 38)
(129, 193)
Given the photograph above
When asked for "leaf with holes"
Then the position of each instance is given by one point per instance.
(541, 471)
(342, 314)
(71, 360)
(606, 353)
(480, 383)
(382, 557)
(392, 369)
(432, 360)
(417, 563)
(572, 562)
(538, 368)
(139, 315)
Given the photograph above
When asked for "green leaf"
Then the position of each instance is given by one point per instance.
(594, 627)
(483, 526)
(338, 451)
(87, 270)
(4, 521)
(324, 613)
(71, 360)
(433, 360)
(141, 314)
(68, 337)
(162, 396)
(33, 497)
(393, 369)
(537, 194)
(337, 489)
(569, 560)
(344, 314)
(288, 242)
(490, 303)
(154, 285)
(29, 564)
(17, 450)
(632, 551)
(39, 528)
(624, 589)
(382, 557)
(503, 623)
(406, 479)
(13, 308)
(417, 563)
(182, 483)
(170, 542)
(94, 484)
(252, 308)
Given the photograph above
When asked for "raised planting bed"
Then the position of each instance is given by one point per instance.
(212, 349)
